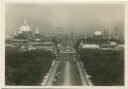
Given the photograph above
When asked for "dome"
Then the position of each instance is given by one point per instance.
(25, 28)
(37, 32)
(98, 33)
(20, 32)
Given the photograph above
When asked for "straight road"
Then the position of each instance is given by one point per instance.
(67, 76)
(67, 73)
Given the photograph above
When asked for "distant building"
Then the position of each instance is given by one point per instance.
(116, 35)
(37, 35)
(90, 46)
(98, 33)
(44, 46)
(25, 33)
(120, 46)
(110, 45)
(26, 40)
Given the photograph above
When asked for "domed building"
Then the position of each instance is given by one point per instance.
(98, 34)
(25, 28)
(25, 31)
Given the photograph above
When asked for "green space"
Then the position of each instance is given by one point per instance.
(27, 67)
(105, 67)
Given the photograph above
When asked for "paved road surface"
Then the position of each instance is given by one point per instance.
(67, 76)
(67, 72)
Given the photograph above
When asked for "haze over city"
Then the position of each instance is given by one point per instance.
(81, 18)
(64, 44)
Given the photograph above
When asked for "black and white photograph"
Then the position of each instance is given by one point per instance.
(67, 44)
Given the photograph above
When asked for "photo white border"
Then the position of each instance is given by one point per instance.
(2, 41)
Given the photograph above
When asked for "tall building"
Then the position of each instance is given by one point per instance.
(37, 35)
(71, 39)
(116, 35)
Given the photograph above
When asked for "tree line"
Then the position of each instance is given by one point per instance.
(27, 67)
(105, 67)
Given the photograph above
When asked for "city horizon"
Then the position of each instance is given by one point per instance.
(66, 18)
(64, 45)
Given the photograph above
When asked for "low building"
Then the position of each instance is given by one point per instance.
(44, 46)
(90, 46)
(120, 46)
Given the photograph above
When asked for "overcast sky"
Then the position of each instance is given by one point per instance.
(82, 18)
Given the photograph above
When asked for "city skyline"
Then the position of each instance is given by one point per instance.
(64, 45)
(81, 18)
